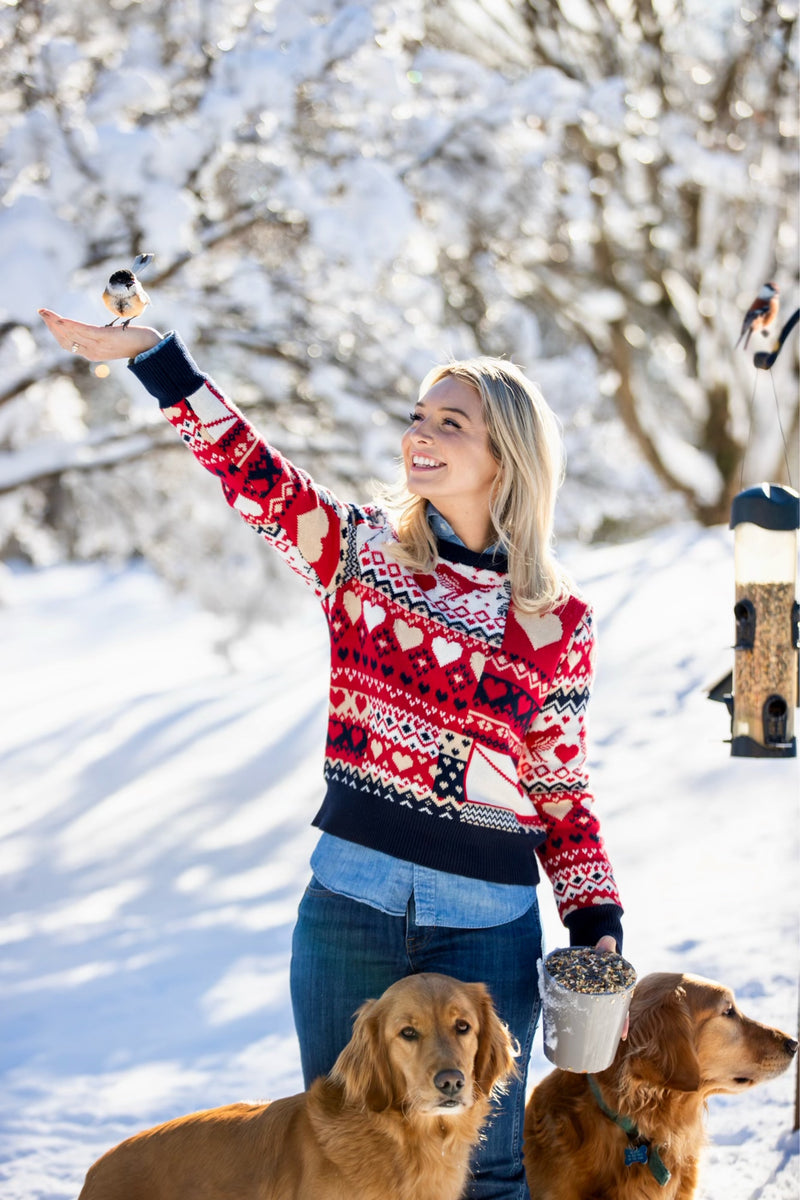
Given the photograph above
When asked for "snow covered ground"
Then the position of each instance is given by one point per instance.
(154, 834)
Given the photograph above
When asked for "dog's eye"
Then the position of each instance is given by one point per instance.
(409, 1033)
(462, 1026)
(730, 1011)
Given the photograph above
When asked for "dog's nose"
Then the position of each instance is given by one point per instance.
(790, 1046)
(449, 1083)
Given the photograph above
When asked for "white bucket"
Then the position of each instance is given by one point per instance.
(582, 1028)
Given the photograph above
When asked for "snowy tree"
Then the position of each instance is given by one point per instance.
(663, 142)
(340, 195)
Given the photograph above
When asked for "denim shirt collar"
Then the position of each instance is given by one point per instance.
(444, 530)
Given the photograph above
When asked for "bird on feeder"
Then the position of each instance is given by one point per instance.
(765, 359)
(761, 314)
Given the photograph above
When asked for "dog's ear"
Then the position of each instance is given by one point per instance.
(660, 1050)
(363, 1068)
(494, 1061)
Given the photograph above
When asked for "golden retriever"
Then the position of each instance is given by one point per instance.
(396, 1118)
(687, 1041)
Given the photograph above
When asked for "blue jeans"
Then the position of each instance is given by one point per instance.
(345, 952)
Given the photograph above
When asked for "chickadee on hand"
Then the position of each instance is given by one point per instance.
(124, 295)
(761, 314)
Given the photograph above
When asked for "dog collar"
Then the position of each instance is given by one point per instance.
(641, 1150)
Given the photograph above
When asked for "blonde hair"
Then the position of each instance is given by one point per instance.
(525, 438)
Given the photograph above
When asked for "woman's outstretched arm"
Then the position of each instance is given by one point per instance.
(277, 499)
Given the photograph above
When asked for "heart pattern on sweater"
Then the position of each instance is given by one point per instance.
(477, 661)
(311, 530)
(541, 629)
(373, 614)
(446, 652)
(352, 606)
(557, 808)
(408, 636)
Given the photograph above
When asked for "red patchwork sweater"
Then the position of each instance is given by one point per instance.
(456, 734)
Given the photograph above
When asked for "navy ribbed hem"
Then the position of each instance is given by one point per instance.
(168, 371)
(428, 839)
(587, 925)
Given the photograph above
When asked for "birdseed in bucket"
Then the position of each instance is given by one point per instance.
(585, 999)
(590, 972)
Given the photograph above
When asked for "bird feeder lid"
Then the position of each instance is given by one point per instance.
(768, 505)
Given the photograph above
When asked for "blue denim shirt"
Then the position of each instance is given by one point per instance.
(388, 883)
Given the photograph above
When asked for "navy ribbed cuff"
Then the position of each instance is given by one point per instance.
(168, 371)
(587, 925)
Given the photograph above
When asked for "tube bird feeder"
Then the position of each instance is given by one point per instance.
(765, 521)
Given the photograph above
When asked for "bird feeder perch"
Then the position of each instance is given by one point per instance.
(765, 521)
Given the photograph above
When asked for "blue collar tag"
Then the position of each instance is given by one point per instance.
(635, 1154)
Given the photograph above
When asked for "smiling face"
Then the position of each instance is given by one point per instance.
(448, 459)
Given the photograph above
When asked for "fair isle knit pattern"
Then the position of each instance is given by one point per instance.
(456, 724)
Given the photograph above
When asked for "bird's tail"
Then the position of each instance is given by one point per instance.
(141, 262)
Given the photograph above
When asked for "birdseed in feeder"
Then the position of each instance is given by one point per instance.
(772, 660)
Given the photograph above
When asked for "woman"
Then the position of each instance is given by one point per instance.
(461, 665)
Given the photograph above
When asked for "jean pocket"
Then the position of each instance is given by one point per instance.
(315, 888)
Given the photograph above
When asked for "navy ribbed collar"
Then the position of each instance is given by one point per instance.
(486, 560)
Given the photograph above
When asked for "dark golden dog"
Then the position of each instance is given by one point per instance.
(687, 1041)
(396, 1119)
